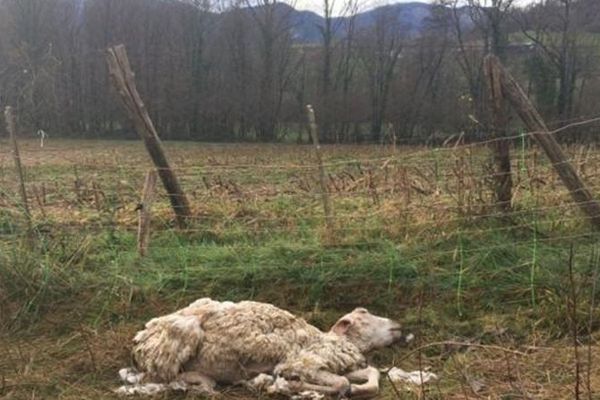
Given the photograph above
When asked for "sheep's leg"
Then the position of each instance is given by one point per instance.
(339, 384)
(363, 375)
(302, 386)
(332, 384)
(324, 382)
(370, 377)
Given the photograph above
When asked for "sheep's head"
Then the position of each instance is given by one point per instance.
(368, 331)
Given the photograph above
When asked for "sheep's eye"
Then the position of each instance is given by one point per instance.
(362, 310)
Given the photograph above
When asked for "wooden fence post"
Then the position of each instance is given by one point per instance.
(145, 210)
(11, 126)
(500, 145)
(123, 80)
(312, 125)
(538, 130)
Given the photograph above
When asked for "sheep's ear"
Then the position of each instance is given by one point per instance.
(341, 327)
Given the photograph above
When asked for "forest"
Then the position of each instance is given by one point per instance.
(243, 71)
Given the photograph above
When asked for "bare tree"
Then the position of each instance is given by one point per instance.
(329, 31)
(423, 68)
(555, 27)
(196, 49)
(245, 71)
(30, 76)
(272, 19)
(345, 67)
(380, 50)
(239, 67)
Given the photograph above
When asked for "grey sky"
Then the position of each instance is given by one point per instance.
(317, 5)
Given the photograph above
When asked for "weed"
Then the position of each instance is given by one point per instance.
(417, 238)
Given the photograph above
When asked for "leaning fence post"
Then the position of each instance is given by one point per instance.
(123, 79)
(11, 126)
(145, 212)
(312, 125)
(512, 91)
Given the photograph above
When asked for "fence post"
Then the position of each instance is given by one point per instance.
(11, 126)
(312, 125)
(145, 212)
(123, 79)
(500, 145)
(539, 131)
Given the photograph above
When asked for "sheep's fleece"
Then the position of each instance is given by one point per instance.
(249, 343)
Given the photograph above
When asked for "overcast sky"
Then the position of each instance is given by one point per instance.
(317, 5)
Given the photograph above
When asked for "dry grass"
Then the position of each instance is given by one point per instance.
(75, 183)
(406, 219)
(83, 365)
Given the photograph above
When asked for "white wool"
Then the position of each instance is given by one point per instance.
(148, 389)
(220, 336)
(210, 303)
(398, 375)
(236, 342)
(308, 395)
(279, 386)
(151, 389)
(130, 376)
(260, 382)
(166, 344)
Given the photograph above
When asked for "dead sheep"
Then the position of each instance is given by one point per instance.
(210, 342)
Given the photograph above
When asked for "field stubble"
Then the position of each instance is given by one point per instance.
(416, 236)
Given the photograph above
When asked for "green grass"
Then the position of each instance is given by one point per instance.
(81, 292)
(418, 249)
(101, 277)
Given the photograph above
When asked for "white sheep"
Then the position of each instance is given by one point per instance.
(212, 342)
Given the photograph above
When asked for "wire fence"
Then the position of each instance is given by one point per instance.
(386, 191)
(409, 222)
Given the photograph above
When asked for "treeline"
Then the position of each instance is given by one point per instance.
(241, 72)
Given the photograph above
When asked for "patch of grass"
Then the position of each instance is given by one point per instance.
(416, 238)
(101, 275)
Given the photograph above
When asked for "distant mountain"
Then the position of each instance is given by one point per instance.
(306, 26)
(411, 17)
